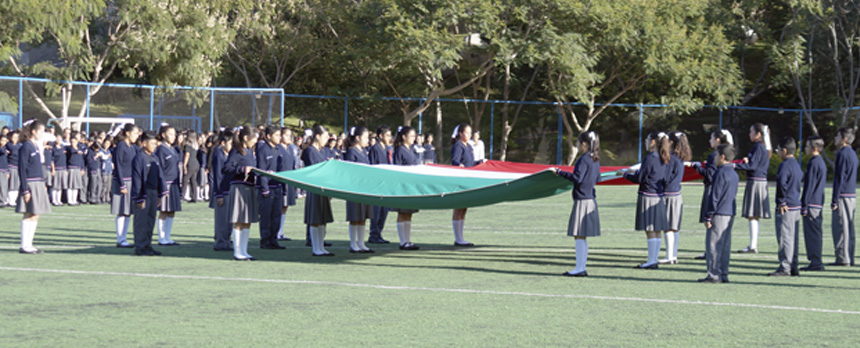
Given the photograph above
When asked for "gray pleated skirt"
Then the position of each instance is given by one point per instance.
(358, 211)
(756, 200)
(14, 180)
(76, 179)
(289, 196)
(584, 219)
(39, 203)
(674, 211)
(202, 177)
(317, 209)
(651, 214)
(173, 201)
(46, 175)
(120, 204)
(61, 179)
(703, 211)
(242, 205)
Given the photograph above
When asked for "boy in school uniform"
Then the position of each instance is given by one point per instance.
(147, 189)
(844, 197)
(788, 178)
(812, 202)
(720, 216)
(380, 153)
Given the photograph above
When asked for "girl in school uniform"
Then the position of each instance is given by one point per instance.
(403, 156)
(317, 208)
(169, 159)
(4, 172)
(190, 168)
(672, 193)
(33, 200)
(584, 219)
(357, 213)
(286, 161)
(429, 150)
(94, 167)
(269, 193)
(146, 188)
(204, 143)
(12, 148)
(718, 137)
(756, 205)
(120, 199)
(220, 187)
(651, 214)
(242, 205)
(77, 168)
(60, 174)
(106, 170)
(462, 155)
(48, 165)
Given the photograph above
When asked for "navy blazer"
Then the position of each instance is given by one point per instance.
(586, 173)
(724, 189)
(146, 174)
(814, 181)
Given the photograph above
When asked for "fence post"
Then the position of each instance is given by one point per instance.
(269, 117)
(211, 109)
(420, 116)
(640, 133)
(88, 109)
(253, 109)
(558, 142)
(282, 107)
(151, 105)
(21, 103)
(492, 111)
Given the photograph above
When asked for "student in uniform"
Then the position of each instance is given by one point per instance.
(33, 200)
(812, 201)
(357, 213)
(60, 173)
(120, 200)
(12, 148)
(403, 157)
(77, 169)
(379, 154)
(718, 137)
(4, 172)
(106, 170)
(220, 189)
(756, 205)
(269, 193)
(190, 168)
(788, 205)
(672, 193)
(286, 162)
(462, 155)
(429, 150)
(242, 205)
(317, 208)
(93, 161)
(584, 219)
(204, 144)
(844, 197)
(650, 207)
(48, 164)
(169, 160)
(720, 217)
(147, 188)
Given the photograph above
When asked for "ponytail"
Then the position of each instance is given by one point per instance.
(354, 135)
(591, 140)
(681, 146)
(239, 139)
(402, 132)
(663, 147)
(28, 127)
(455, 136)
(764, 130)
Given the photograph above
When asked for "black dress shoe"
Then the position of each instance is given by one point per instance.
(120, 245)
(222, 249)
(409, 246)
(795, 273)
(724, 280)
(323, 255)
(377, 241)
(155, 252)
(700, 257)
(242, 259)
(642, 266)
(35, 251)
(579, 274)
(747, 250)
(368, 251)
(270, 246)
(464, 245)
(710, 280)
(284, 239)
(146, 252)
(839, 264)
(353, 251)
(812, 269)
(779, 274)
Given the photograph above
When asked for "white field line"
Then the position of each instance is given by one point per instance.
(429, 289)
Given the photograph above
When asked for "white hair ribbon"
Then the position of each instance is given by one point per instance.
(729, 138)
(456, 131)
(352, 131)
(221, 129)
(766, 136)
(309, 133)
(591, 135)
(399, 128)
(28, 122)
(165, 124)
(116, 131)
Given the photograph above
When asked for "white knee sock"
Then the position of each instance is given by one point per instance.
(321, 238)
(314, 242)
(237, 243)
(361, 235)
(458, 231)
(581, 255)
(281, 226)
(73, 196)
(754, 224)
(677, 236)
(168, 227)
(246, 232)
(353, 232)
(401, 232)
(13, 198)
(120, 229)
(161, 230)
(408, 231)
(653, 250)
(670, 246)
(28, 232)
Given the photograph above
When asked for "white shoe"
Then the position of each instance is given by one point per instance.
(668, 261)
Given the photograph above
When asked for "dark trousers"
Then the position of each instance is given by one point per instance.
(94, 186)
(812, 237)
(378, 221)
(787, 237)
(190, 184)
(719, 248)
(843, 230)
(270, 215)
(223, 227)
(144, 221)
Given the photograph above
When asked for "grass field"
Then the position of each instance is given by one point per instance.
(84, 292)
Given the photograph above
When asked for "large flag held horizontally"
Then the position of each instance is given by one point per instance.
(420, 187)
